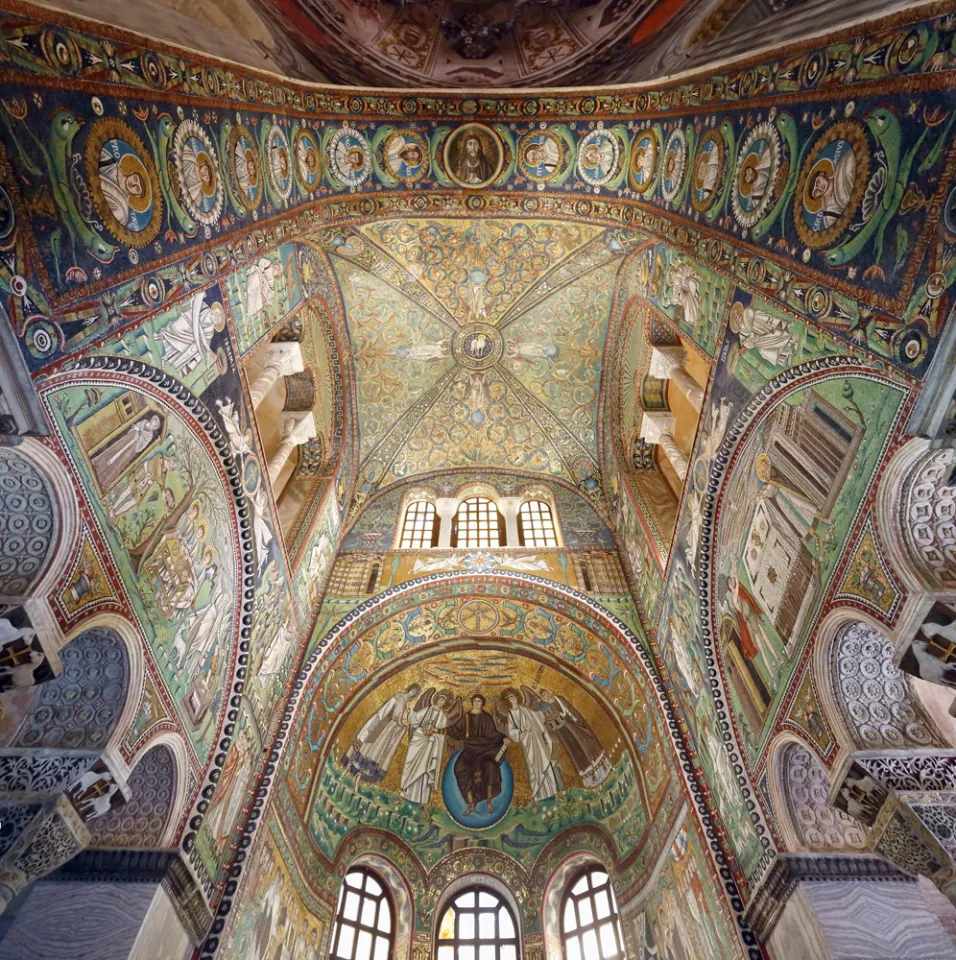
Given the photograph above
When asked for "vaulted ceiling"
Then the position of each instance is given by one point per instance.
(459, 43)
(477, 344)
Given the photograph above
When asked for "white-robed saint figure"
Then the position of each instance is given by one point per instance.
(186, 339)
(526, 726)
(427, 723)
(770, 336)
(371, 753)
(261, 281)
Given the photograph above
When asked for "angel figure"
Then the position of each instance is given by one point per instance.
(371, 753)
(525, 725)
(427, 722)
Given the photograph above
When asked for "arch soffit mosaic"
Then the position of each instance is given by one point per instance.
(112, 373)
(737, 438)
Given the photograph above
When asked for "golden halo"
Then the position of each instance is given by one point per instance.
(749, 163)
(203, 160)
(823, 165)
(130, 164)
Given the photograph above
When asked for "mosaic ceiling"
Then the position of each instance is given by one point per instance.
(473, 43)
(477, 344)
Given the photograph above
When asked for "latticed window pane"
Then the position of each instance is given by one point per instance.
(478, 925)
(419, 529)
(536, 525)
(590, 923)
(363, 923)
(478, 524)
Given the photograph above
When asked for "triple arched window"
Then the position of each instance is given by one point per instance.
(364, 925)
(590, 922)
(478, 924)
(479, 522)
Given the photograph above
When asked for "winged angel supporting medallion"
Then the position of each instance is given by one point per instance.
(480, 739)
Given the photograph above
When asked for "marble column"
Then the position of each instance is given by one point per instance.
(658, 428)
(297, 428)
(446, 508)
(667, 363)
(843, 907)
(282, 360)
(509, 507)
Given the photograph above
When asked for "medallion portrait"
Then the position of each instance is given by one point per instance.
(831, 185)
(673, 165)
(707, 176)
(308, 163)
(644, 153)
(405, 155)
(123, 183)
(540, 155)
(349, 157)
(757, 165)
(599, 157)
(474, 156)
(279, 162)
(198, 169)
(243, 161)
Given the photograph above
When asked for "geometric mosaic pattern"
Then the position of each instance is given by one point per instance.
(80, 708)
(141, 821)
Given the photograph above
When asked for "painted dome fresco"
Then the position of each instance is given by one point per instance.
(471, 43)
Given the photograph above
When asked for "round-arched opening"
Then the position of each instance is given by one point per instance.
(590, 919)
(364, 927)
(477, 924)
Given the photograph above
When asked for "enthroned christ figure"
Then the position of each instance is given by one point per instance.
(478, 767)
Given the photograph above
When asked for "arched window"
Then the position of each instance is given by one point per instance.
(536, 525)
(363, 922)
(590, 923)
(478, 925)
(421, 526)
(478, 524)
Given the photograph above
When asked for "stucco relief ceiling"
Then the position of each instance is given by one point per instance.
(477, 344)
(460, 43)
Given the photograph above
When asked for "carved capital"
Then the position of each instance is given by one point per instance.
(664, 360)
(285, 358)
(56, 835)
(656, 425)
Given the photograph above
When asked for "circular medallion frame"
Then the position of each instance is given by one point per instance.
(308, 159)
(277, 153)
(473, 171)
(111, 166)
(822, 217)
(349, 157)
(194, 156)
(599, 157)
(549, 151)
(642, 170)
(246, 183)
(673, 164)
(398, 149)
(706, 185)
(759, 159)
(477, 346)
